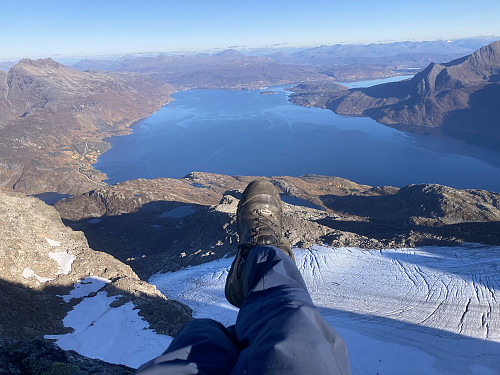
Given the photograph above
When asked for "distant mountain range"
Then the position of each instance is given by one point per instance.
(462, 95)
(227, 69)
(391, 55)
(235, 69)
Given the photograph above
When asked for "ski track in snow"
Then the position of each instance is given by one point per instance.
(431, 310)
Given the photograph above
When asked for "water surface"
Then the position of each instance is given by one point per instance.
(246, 133)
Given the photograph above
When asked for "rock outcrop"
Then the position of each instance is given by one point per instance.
(165, 224)
(35, 357)
(42, 260)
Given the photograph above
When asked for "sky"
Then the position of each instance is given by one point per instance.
(52, 28)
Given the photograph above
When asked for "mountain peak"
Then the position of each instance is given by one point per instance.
(39, 63)
(457, 96)
(232, 53)
(37, 67)
(487, 56)
(484, 63)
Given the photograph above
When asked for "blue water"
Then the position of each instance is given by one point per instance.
(246, 133)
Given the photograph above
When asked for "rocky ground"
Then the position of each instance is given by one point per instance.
(42, 259)
(38, 357)
(138, 228)
(166, 224)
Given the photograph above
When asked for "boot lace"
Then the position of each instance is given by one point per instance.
(265, 226)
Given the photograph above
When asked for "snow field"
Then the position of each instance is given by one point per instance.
(432, 310)
(413, 311)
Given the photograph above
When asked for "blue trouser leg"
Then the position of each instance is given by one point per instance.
(202, 346)
(278, 325)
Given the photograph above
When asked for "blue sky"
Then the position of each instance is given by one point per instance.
(101, 27)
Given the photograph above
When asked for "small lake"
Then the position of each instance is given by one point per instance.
(246, 133)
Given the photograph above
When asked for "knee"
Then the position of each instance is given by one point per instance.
(200, 326)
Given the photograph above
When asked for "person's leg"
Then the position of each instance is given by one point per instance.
(278, 326)
(202, 346)
(281, 329)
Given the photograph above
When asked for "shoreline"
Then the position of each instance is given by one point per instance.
(182, 162)
(126, 131)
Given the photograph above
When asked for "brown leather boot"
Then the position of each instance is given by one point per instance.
(259, 218)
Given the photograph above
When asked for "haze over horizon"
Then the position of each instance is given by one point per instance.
(33, 29)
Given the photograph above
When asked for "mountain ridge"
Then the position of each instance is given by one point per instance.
(166, 224)
(53, 120)
(455, 96)
(228, 69)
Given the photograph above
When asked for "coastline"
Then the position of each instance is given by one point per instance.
(216, 130)
(87, 162)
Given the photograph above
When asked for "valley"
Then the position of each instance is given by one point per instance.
(406, 271)
(55, 119)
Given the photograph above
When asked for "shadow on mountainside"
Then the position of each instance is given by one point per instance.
(35, 357)
(394, 234)
(418, 215)
(481, 116)
(27, 313)
(31, 313)
(161, 236)
(166, 235)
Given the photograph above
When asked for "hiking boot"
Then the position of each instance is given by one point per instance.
(259, 218)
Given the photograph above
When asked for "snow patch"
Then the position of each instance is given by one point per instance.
(28, 272)
(85, 287)
(179, 212)
(52, 242)
(64, 261)
(116, 335)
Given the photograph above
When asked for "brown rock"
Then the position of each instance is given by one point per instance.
(133, 221)
(42, 259)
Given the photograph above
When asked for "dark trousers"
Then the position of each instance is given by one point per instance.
(278, 330)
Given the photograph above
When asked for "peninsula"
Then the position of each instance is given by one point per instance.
(458, 97)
